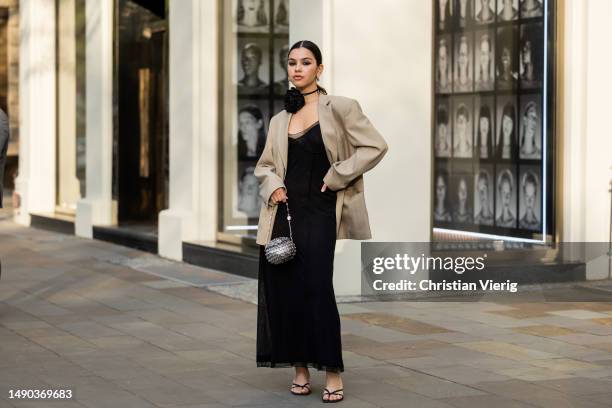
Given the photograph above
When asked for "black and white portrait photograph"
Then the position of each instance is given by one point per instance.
(463, 13)
(483, 196)
(463, 81)
(281, 16)
(484, 60)
(506, 140)
(251, 129)
(484, 127)
(444, 76)
(531, 8)
(462, 126)
(249, 201)
(252, 16)
(461, 198)
(530, 142)
(507, 10)
(442, 200)
(444, 14)
(505, 190)
(253, 66)
(530, 205)
(506, 58)
(443, 129)
(484, 11)
(281, 78)
(531, 55)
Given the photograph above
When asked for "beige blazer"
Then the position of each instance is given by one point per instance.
(353, 146)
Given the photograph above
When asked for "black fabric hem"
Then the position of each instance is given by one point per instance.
(319, 367)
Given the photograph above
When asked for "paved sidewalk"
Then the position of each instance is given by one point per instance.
(104, 321)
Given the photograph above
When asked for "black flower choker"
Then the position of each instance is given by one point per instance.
(294, 99)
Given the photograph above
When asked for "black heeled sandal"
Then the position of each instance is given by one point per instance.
(329, 393)
(305, 385)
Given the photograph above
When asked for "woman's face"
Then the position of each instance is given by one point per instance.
(462, 192)
(507, 125)
(506, 59)
(530, 195)
(442, 59)
(440, 189)
(485, 54)
(442, 129)
(531, 120)
(483, 192)
(250, 62)
(484, 129)
(249, 125)
(461, 125)
(527, 52)
(463, 53)
(506, 193)
(302, 67)
(251, 5)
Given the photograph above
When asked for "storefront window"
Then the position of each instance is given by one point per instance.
(494, 114)
(254, 70)
(70, 83)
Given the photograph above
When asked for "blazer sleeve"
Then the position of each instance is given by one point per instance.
(370, 147)
(269, 181)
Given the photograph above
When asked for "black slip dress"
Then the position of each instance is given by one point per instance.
(298, 323)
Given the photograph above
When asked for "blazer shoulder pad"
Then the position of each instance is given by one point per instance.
(343, 103)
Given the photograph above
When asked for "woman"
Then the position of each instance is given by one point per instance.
(441, 212)
(252, 16)
(484, 136)
(484, 216)
(316, 152)
(506, 67)
(463, 133)
(444, 77)
(463, 72)
(444, 15)
(443, 144)
(251, 59)
(505, 190)
(484, 70)
(462, 212)
(507, 11)
(486, 14)
(506, 140)
(529, 187)
(529, 133)
(531, 8)
(251, 133)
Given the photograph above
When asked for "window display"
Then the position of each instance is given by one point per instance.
(254, 57)
(493, 127)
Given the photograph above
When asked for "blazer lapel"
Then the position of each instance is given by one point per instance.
(328, 132)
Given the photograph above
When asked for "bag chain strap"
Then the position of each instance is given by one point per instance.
(288, 219)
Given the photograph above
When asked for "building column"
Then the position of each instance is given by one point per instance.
(192, 212)
(97, 207)
(35, 184)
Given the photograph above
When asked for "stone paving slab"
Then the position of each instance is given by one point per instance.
(124, 328)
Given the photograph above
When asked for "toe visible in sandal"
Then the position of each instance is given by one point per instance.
(305, 385)
(329, 394)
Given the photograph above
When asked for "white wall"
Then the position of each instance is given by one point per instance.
(35, 183)
(380, 56)
(587, 139)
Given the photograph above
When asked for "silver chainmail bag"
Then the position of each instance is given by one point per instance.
(281, 249)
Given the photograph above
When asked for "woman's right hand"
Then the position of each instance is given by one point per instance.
(279, 195)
